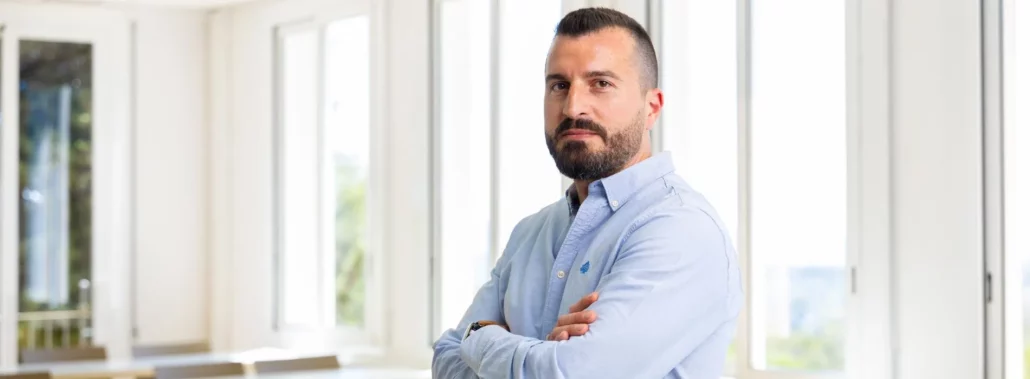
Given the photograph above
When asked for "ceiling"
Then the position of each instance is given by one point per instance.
(169, 3)
(188, 3)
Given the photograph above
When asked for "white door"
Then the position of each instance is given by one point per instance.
(65, 154)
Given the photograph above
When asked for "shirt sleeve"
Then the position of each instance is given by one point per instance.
(447, 362)
(673, 286)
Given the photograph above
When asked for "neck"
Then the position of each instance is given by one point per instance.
(583, 185)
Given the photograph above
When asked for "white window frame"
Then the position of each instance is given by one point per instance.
(328, 334)
(496, 234)
(1003, 356)
(110, 35)
(869, 342)
(436, 148)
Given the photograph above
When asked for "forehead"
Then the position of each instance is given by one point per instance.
(607, 49)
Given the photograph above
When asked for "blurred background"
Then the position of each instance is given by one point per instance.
(339, 176)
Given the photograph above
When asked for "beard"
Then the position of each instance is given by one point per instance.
(575, 160)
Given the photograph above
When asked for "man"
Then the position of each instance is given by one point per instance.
(639, 259)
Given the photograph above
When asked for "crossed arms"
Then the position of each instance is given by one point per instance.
(666, 294)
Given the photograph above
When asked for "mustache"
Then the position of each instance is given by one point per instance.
(581, 123)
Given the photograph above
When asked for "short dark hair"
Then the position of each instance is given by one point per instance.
(589, 20)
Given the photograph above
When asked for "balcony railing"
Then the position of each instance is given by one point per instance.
(55, 329)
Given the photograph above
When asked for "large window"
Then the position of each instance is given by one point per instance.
(793, 153)
(699, 120)
(300, 180)
(527, 177)
(55, 187)
(464, 219)
(493, 168)
(797, 185)
(324, 165)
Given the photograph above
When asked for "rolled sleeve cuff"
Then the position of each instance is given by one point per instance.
(474, 348)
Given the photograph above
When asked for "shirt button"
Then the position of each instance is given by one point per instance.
(561, 274)
(615, 203)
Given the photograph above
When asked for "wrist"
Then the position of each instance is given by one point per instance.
(476, 325)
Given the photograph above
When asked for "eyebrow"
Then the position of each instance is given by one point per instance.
(551, 77)
(603, 73)
(590, 74)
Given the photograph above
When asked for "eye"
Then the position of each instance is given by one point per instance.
(603, 84)
(559, 86)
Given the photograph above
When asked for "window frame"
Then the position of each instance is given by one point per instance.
(371, 336)
(112, 171)
(869, 302)
(497, 235)
(1001, 357)
(437, 159)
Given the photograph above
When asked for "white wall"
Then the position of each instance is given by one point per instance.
(408, 182)
(171, 176)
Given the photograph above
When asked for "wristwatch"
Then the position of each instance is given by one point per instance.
(476, 326)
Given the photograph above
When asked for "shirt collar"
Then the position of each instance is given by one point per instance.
(618, 188)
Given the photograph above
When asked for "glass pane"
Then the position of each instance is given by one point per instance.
(55, 179)
(699, 120)
(1017, 186)
(300, 179)
(799, 185)
(347, 144)
(465, 155)
(526, 30)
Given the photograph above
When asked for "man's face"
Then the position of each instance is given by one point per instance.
(596, 111)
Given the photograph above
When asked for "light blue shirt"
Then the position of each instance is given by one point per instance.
(661, 261)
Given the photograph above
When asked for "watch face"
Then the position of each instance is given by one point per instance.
(474, 326)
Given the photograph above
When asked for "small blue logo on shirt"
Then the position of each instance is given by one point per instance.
(584, 268)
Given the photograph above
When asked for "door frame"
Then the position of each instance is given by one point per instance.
(109, 32)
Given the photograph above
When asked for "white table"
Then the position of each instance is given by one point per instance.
(345, 373)
(145, 366)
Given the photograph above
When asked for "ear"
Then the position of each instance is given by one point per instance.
(655, 100)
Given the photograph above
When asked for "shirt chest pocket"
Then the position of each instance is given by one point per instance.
(584, 277)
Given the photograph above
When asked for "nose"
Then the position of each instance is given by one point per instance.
(576, 103)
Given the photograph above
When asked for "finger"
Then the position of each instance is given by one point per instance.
(563, 334)
(584, 317)
(583, 303)
(570, 330)
(558, 336)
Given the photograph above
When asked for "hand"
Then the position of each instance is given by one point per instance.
(577, 322)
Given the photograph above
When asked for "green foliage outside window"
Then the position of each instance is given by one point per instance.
(351, 245)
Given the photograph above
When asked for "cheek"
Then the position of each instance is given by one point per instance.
(622, 117)
(552, 117)
(552, 108)
(549, 128)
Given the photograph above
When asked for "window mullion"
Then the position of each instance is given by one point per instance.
(743, 182)
(320, 151)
